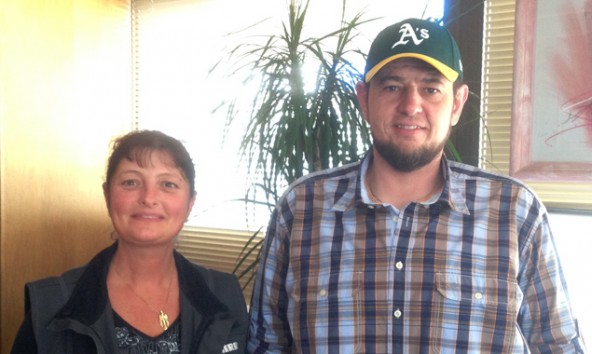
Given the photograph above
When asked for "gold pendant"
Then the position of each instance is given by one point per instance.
(164, 320)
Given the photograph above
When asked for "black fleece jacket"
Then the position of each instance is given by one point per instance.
(72, 314)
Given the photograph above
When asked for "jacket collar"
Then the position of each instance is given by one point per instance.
(196, 289)
(90, 297)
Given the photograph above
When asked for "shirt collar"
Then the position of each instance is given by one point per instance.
(364, 194)
(454, 190)
(451, 195)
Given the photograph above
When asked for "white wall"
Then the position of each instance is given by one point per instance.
(573, 237)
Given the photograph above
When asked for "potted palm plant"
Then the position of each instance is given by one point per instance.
(304, 115)
(296, 126)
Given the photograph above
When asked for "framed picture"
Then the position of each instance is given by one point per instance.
(551, 139)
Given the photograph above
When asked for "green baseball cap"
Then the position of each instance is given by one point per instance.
(415, 38)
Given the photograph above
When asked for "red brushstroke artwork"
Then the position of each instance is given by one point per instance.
(572, 68)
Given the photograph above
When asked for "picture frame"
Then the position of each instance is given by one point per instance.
(551, 131)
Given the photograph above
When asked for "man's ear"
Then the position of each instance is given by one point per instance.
(460, 97)
(362, 92)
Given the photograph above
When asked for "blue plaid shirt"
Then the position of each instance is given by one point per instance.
(473, 271)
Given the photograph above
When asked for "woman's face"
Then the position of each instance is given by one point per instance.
(149, 204)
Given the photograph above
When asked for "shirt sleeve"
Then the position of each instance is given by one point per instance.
(545, 320)
(269, 330)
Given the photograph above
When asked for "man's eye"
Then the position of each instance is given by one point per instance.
(431, 90)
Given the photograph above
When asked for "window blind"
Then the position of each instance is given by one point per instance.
(220, 249)
(496, 103)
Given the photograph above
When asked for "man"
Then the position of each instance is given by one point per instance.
(405, 251)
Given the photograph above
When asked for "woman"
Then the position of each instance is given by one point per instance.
(139, 295)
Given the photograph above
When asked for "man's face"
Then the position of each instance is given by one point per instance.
(411, 108)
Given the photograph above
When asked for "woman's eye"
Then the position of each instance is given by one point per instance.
(171, 185)
(129, 183)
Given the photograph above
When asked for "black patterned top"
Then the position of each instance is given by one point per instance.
(132, 341)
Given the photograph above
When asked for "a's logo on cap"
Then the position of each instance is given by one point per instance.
(407, 32)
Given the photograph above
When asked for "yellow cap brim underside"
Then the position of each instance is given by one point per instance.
(447, 71)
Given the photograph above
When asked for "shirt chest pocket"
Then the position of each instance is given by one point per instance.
(477, 301)
(325, 287)
(323, 307)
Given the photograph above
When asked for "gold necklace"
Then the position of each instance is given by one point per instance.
(163, 318)
(371, 194)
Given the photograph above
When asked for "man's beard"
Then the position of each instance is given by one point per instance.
(408, 161)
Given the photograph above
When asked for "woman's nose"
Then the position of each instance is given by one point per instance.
(149, 196)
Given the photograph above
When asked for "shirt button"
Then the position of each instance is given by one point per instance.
(397, 313)
(395, 218)
(323, 293)
(399, 265)
(478, 296)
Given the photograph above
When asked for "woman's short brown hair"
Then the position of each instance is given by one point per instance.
(138, 145)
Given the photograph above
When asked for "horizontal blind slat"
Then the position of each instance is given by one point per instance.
(498, 54)
(217, 249)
